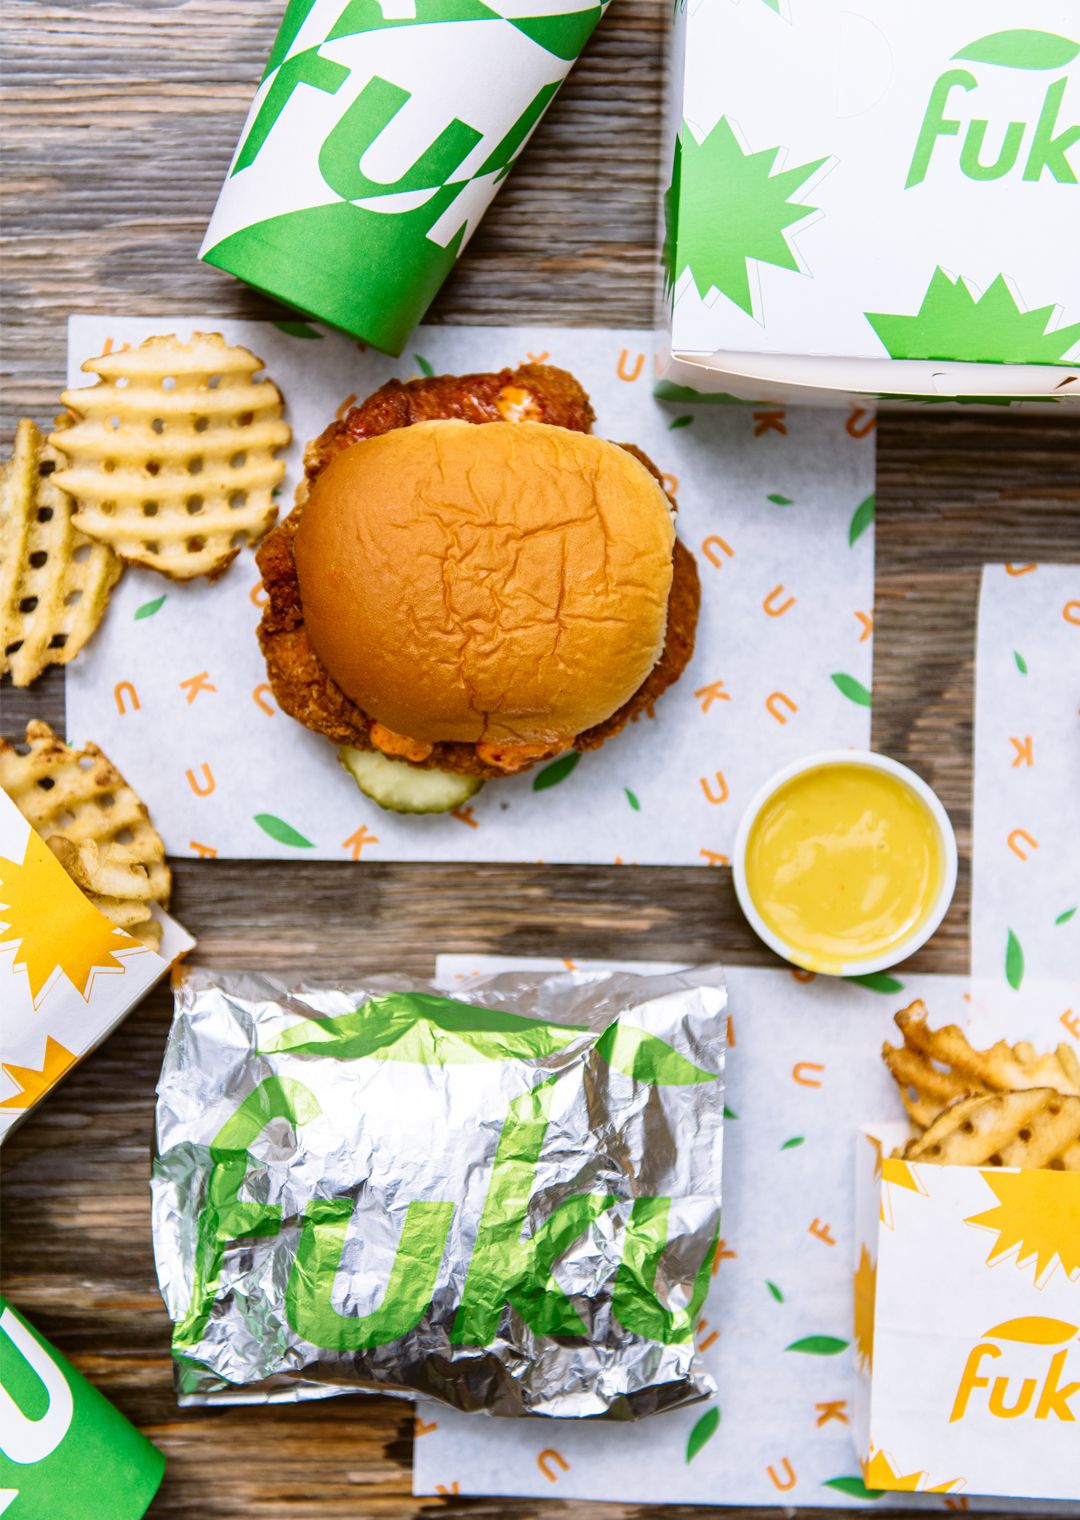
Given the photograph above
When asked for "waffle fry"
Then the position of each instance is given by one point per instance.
(54, 581)
(94, 824)
(1036, 1128)
(935, 1067)
(171, 454)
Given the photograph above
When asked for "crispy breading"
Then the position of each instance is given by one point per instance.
(935, 1067)
(1035, 1128)
(303, 687)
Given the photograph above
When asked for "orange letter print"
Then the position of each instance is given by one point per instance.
(203, 851)
(1071, 1022)
(258, 697)
(855, 427)
(670, 484)
(194, 684)
(714, 858)
(207, 785)
(119, 691)
(777, 699)
(774, 608)
(821, 1231)
(866, 619)
(257, 594)
(832, 1409)
(621, 367)
(710, 795)
(788, 1480)
(1020, 569)
(800, 1071)
(706, 1340)
(770, 422)
(548, 1457)
(357, 841)
(713, 547)
(1017, 839)
(1022, 747)
(714, 692)
(1071, 612)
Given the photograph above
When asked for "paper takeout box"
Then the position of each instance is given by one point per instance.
(967, 1326)
(67, 975)
(872, 199)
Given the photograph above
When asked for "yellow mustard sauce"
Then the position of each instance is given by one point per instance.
(843, 862)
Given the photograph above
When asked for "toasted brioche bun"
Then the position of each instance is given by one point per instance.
(504, 583)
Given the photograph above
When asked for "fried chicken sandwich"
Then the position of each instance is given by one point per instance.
(472, 582)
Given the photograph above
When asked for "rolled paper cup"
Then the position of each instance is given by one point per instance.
(65, 1451)
(379, 133)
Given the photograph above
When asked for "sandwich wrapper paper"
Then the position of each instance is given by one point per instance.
(1025, 918)
(65, 1452)
(876, 199)
(777, 507)
(67, 975)
(972, 1276)
(803, 1074)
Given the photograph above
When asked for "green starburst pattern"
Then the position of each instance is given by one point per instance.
(725, 207)
(952, 323)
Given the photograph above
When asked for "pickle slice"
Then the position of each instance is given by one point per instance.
(402, 788)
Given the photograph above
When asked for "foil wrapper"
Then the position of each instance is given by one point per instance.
(508, 1203)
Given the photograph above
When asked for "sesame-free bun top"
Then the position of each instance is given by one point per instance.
(498, 582)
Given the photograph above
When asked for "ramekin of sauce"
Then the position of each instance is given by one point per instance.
(845, 862)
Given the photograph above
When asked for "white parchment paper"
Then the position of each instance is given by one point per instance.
(774, 504)
(1025, 898)
(804, 1072)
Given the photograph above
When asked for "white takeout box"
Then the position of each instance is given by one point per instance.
(967, 1326)
(873, 200)
(67, 975)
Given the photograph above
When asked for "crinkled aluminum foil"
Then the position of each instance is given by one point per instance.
(508, 1203)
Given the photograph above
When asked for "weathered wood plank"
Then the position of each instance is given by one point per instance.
(119, 124)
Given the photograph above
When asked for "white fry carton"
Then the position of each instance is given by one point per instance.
(872, 199)
(967, 1326)
(67, 975)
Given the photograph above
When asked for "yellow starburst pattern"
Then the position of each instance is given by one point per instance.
(53, 928)
(1037, 1215)
(880, 1473)
(901, 1174)
(865, 1293)
(34, 1081)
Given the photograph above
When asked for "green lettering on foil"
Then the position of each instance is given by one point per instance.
(635, 1303)
(419, 1253)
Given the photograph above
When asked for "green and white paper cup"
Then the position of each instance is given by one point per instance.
(379, 133)
(65, 1452)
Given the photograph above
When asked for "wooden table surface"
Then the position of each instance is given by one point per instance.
(120, 121)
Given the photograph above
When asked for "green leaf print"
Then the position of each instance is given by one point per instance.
(1021, 49)
(557, 771)
(778, 500)
(733, 210)
(855, 1487)
(1021, 663)
(819, 1345)
(632, 799)
(149, 608)
(789, 1145)
(861, 518)
(679, 422)
(854, 690)
(775, 1291)
(298, 329)
(702, 1432)
(283, 832)
(877, 981)
(423, 365)
(729, 1113)
(1063, 918)
(1014, 962)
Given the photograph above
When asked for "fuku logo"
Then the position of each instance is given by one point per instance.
(1021, 1369)
(513, 1252)
(1036, 145)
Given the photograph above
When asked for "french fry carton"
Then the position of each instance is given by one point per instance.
(867, 199)
(377, 137)
(67, 975)
(967, 1326)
